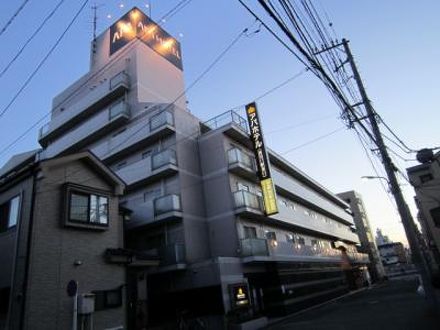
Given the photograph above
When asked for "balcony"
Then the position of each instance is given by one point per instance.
(254, 247)
(247, 203)
(263, 250)
(358, 258)
(241, 164)
(97, 98)
(173, 254)
(94, 128)
(233, 125)
(167, 207)
(140, 134)
(149, 169)
(163, 158)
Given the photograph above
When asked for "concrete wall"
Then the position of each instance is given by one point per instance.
(55, 248)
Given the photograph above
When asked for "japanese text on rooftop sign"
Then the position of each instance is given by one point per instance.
(135, 24)
(263, 170)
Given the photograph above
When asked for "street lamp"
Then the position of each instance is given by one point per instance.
(370, 177)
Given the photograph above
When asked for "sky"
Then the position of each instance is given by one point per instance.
(394, 43)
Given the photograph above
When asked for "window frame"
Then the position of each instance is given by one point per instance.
(88, 192)
(8, 203)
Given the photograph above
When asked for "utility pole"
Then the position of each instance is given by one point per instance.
(390, 168)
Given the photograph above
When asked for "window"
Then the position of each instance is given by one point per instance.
(300, 240)
(270, 235)
(435, 214)
(250, 232)
(108, 299)
(9, 213)
(290, 238)
(88, 208)
(426, 177)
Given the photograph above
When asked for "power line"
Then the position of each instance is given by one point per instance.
(4, 28)
(314, 140)
(30, 38)
(273, 89)
(28, 80)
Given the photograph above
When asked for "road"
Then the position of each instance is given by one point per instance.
(391, 306)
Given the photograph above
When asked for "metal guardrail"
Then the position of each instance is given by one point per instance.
(236, 156)
(165, 157)
(243, 198)
(168, 203)
(226, 118)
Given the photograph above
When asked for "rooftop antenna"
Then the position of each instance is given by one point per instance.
(95, 20)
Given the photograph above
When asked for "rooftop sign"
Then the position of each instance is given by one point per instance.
(135, 24)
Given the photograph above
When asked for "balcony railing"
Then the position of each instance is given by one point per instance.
(358, 257)
(243, 198)
(120, 108)
(226, 118)
(168, 203)
(166, 157)
(121, 78)
(161, 119)
(43, 130)
(265, 247)
(236, 156)
(254, 247)
(172, 254)
(97, 98)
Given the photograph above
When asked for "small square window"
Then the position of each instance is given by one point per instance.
(250, 232)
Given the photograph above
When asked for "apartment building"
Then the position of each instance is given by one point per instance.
(425, 179)
(363, 229)
(192, 196)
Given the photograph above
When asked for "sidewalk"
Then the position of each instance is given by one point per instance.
(393, 306)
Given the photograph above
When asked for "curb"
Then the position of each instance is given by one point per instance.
(327, 302)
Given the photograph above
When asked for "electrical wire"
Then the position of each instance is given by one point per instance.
(314, 140)
(46, 19)
(31, 76)
(9, 22)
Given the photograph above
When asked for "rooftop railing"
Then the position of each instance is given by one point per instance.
(225, 118)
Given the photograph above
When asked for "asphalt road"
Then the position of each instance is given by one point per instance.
(391, 306)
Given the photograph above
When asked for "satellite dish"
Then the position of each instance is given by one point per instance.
(425, 155)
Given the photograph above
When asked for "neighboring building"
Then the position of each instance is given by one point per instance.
(425, 178)
(363, 229)
(393, 254)
(381, 238)
(58, 218)
(192, 194)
